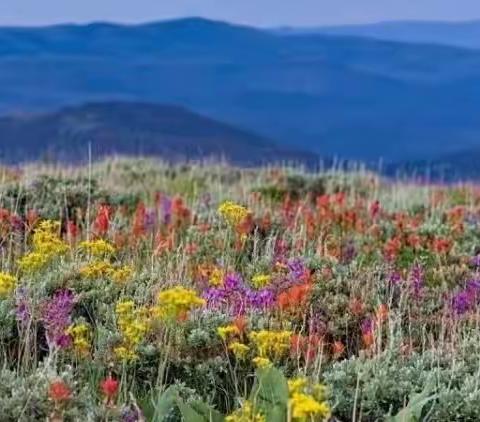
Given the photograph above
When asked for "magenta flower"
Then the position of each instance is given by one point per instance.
(56, 318)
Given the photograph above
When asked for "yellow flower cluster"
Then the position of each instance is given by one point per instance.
(261, 280)
(133, 324)
(262, 363)
(176, 302)
(98, 248)
(233, 212)
(97, 269)
(246, 413)
(7, 284)
(104, 269)
(227, 331)
(80, 334)
(216, 277)
(307, 402)
(47, 245)
(271, 344)
(122, 275)
(240, 350)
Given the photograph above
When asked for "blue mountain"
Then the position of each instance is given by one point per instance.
(458, 34)
(335, 95)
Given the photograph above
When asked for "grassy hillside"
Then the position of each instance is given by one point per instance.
(138, 129)
(135, 290)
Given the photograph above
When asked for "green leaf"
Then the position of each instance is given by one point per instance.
(277, 413)
(198, 412)
(165, 403)
(413, 411)
(270, 388)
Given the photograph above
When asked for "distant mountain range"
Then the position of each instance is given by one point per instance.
(137, 129)
(335, 95)
(458, 34)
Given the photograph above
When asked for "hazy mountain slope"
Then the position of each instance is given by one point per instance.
(133, 129)
(459, 34)
(347, 96)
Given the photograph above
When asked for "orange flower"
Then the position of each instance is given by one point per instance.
(241, 324)
(58, 391)
(338, 349)
(356, 307)
(382, 313)
(368, 339)
(294, 297)
(102, 220)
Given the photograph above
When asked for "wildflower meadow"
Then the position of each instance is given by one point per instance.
(135, 290)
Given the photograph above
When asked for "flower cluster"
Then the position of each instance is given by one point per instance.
(133, 324)
(233, 213)
(7, 284)
(56, 318)
(176, 302)
(307, 401)
(47, 244)
(80, 336)
(271, 344)
(97, 248)
(246, 413)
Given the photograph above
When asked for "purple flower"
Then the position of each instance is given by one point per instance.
(166, 208)
(260, 299)
(57, 318)
(461, 302)
(296, 267)
(234, 297)
(475, 261)
(395, 277)
(233, 281)
(416, 280)
(131, 414)
(23, 307)
(150, 218)
(348, 252)
(466, 299)
(367, 326)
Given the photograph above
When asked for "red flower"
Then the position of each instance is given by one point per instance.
(59, 391)
(109, 387)
(338, 349)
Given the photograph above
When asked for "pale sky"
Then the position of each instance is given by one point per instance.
(253, 12)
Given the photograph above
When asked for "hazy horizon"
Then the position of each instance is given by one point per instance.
(260, 13)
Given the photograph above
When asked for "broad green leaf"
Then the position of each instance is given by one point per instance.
(198, 412)
(270, 387)
(164, 404)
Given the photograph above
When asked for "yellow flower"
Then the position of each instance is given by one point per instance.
(80, 335)
(307, 401)
(240, 350)
(305, 407)
(125, 354)
(246, 413)
(233, 212)
(272, 344)
(297, 385)
(47, 245)
(133, 324)
(97, 269)
(122, 275)
(227, 331)
(261, 362)
(261, 280)
(98, 248)
(7, 283)
(176, 301)
(216, 278)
